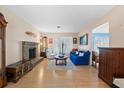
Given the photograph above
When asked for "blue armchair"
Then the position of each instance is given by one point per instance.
(80, 60)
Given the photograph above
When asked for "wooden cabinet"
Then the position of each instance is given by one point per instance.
(111, 64)
(16, 70)
(26, 67)
(3, 24)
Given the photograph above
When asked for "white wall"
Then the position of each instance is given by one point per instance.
(104, 28)
(54, 35)
(60, 34)
(15, 33)
(116, 27)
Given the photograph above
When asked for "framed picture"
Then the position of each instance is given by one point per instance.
(74, 40)
(84, 39)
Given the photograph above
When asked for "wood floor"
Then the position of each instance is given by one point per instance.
(42, 77)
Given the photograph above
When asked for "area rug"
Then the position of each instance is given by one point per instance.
(69, 66)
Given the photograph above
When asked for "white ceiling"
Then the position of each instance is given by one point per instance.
(71, 18)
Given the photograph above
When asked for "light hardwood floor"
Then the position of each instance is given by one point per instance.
(42, 77)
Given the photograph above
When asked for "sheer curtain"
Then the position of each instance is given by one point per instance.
(57, 45)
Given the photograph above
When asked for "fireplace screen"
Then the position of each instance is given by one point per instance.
(32, 53)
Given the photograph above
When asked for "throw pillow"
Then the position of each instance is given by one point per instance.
(81, 54)
(76, 52)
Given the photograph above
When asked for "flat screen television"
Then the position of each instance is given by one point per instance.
(84, 39)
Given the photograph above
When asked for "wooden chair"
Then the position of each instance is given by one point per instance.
(95, 59)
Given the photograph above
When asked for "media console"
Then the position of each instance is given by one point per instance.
(16, 70)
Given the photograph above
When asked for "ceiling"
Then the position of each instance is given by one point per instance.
(70, 18)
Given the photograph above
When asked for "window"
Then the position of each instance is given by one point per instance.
(100, 37)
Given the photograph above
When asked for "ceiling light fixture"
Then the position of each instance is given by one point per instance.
(58, 26)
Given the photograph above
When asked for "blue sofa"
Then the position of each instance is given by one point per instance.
(80, 60)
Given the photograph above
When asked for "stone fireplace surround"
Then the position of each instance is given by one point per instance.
(29, 50)
(29, 60)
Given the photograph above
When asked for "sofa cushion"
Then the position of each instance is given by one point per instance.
(86, 53)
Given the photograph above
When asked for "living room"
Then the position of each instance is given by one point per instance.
(60, 56)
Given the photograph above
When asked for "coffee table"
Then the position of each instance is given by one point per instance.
(61, 60)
